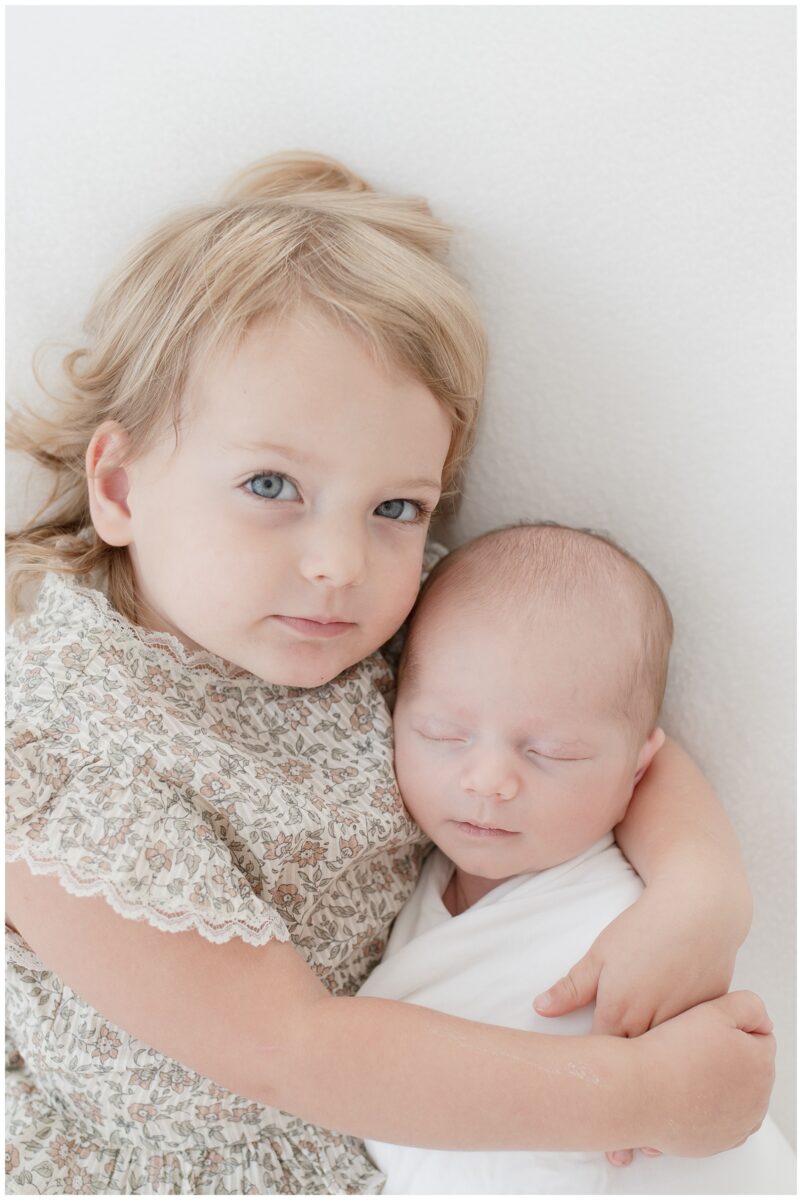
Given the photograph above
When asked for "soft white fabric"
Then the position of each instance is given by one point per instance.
(487, 965)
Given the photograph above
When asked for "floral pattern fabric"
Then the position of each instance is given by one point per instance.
(193, 795)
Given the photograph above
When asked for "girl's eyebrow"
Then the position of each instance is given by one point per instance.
(272, 448)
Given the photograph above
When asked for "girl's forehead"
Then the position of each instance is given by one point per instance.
(310, 398)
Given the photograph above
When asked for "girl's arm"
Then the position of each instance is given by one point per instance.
(258, 1021)
(676, 946)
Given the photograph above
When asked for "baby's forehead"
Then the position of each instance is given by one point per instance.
(477, 646)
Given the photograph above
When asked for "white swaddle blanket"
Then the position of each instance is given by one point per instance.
(488, 964)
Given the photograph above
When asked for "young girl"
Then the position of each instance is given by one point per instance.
(208, 845)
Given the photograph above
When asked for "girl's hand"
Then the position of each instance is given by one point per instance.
(657, 959)
(718, 1058)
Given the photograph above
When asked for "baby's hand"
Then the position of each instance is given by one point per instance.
(660, 957)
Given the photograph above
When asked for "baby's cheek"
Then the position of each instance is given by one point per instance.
(415, 785)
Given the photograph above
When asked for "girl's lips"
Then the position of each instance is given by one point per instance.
(482, 831)
(316, 629)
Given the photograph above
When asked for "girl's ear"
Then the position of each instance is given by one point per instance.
(108, 484)
(648, 750)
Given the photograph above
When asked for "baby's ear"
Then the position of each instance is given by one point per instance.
(107, 482)
(648, 750)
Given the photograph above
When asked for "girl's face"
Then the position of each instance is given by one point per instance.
(284, 530)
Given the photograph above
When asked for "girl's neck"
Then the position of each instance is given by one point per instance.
(147, 617)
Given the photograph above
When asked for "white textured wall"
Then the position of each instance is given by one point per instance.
(624, 178)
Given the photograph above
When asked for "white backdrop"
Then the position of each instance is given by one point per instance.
(622, 178)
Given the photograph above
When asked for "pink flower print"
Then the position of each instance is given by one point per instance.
(249, 1112)
(84, 1105)
(157, 679)
(204, 833)
(374, 949)
(175, 1078)
(12, 1158)
(406, 868)
(65, 1152)
(215, 786)
(310, 853)
(107, 1045)
(77, 1182)
(120, 834)
(295, 771)
(200, 895)
(142, 1077)
(213, 1112)
(159, 856)
(386, 799)
(276, 847)
(142, 1112)
(36, 828)
(286, 895)
(296, 714)
(214, 1159)
(381, 877)
(349, 847)
(60, 1150)
(226, 885)
(144, 763)
(73, 656)
(361, 719)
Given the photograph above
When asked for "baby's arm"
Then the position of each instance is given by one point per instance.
(676, 946)
(258, 1021)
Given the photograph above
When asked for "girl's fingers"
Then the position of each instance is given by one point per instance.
(650, 1151)
(747, 1011)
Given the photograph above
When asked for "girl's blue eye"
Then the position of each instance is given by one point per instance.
(271, 486)
(401, 510)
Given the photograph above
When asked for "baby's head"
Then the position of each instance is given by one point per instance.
(275, 391)
(528, 697)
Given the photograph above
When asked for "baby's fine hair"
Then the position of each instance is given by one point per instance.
(295, 228)
(510, 567)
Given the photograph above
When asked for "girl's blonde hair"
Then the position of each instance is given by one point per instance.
(293, 228)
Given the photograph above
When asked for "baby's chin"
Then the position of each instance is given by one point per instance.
(496, 868)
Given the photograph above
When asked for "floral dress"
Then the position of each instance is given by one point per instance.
(192, 795)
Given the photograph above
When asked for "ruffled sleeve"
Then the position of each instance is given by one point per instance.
(139, 840)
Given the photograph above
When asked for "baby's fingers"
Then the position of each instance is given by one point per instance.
(619, 1158)
(574, 990)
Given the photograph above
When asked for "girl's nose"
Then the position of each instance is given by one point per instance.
(490, 779)
(334, 554)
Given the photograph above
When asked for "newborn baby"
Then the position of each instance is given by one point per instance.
(529, 690)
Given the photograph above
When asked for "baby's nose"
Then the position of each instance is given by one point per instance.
(490, 784)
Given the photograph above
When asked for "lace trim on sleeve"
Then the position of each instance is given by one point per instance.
(256, 932)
